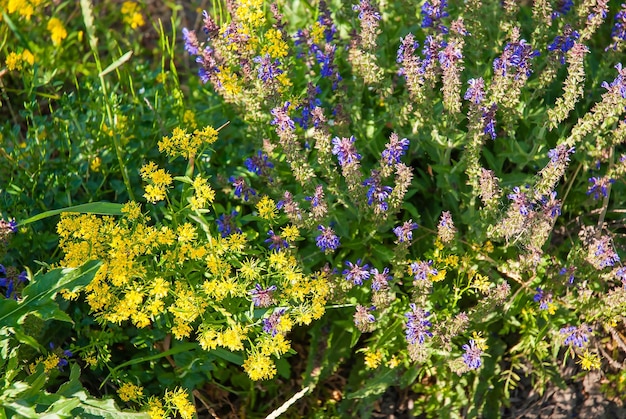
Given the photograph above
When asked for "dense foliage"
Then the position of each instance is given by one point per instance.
(298, 206)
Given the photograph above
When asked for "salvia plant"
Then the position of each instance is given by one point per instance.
(417, 196)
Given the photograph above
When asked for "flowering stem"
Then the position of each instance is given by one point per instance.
(93, 43)
(607, 196)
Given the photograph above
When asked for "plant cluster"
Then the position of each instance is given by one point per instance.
(422, 196)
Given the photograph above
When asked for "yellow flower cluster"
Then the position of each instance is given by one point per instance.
(131, 14)
(275, 46)
(25, 8)
(132, 210)
(51, 362)
(259, 367)
(203, 195)
(15, 60)
(129, 391)
(373, 359)
(589, 361)
(159, 181)
(317, 33)
(182, 143)
(57, 30)
(480, 341)
(179, 400)
(229, 83)
(481, 283)
(189, 118)
(290, 233)
(186, 309)
(267, 209)
(250, 13)
(275, 345)
(440, 276)
(155, 409)
(180, 272)
(122, 289)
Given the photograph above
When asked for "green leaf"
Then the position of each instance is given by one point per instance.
(228, 356)
(39, 295)
(375, 386)
(115, 64)
(73, 386)
(105, 409)
(102, 208)
(62, 408)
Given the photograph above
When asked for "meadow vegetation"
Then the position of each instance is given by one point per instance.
(295, 208)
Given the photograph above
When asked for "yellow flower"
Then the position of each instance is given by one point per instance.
(69, 295)
(232, 338)
(180, 329)
(132, 16)
(186, 233)
(276, 345)
(480, 341)
(283, 79)
(129, 391)
(250, 13)
(23, 7)
(51, 362)
(208, 135)
(155, 409)
(159, 288)
(189, 118)
(291, 233)
(278, 260)
(57, 31)
(440, 276)
(481, 283)
(267, 208)
(393, 362)
(208, 339)
(132, 210)
(180, 400)
(90, 359)
(14, 61)
(160, 181)
(274, 44)
(259, 367)
(236, 242)
(373, 359)
(250, 269)
(95, 164)
(28, 57)
(317, 33)
(203, 194)
(589, 361)
(229, 82)
(452, 261)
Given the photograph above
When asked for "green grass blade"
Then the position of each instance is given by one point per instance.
(102, 208)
